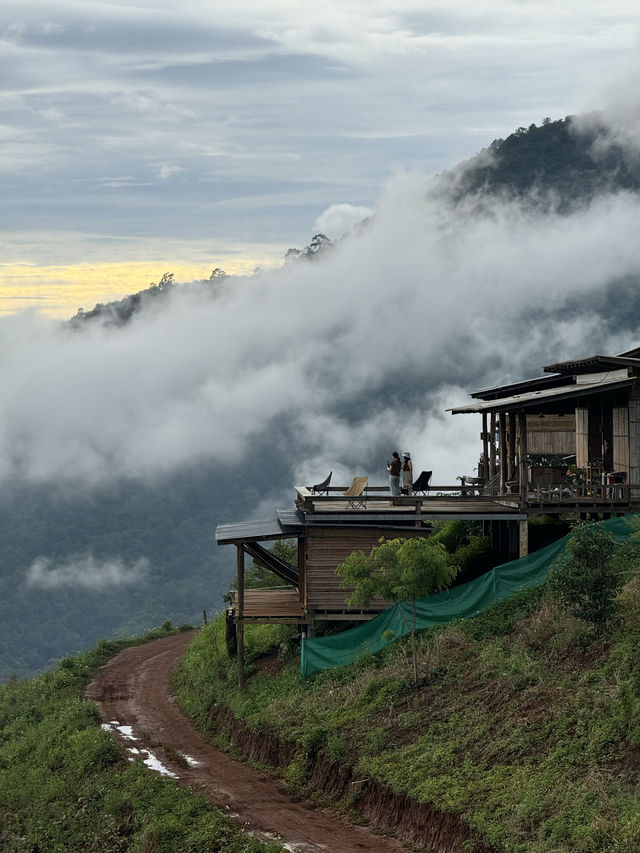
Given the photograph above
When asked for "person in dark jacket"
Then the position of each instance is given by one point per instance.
(394, 467)
(407, 474)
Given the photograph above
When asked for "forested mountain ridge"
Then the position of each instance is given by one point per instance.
(567, 162)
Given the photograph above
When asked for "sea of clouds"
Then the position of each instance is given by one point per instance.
(358, 352)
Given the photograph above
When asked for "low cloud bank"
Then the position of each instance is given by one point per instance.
(357, 353)
(86, 572)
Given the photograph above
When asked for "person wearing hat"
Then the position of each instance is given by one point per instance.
(407, 474)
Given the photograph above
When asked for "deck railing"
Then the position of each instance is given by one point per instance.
(600, 495)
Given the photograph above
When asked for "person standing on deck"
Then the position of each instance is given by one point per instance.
(394, 467)
(407, 473)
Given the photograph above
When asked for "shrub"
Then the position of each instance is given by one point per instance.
(585, 580)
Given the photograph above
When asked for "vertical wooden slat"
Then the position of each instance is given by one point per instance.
(621, 440)
(634, 433)
(582, 437)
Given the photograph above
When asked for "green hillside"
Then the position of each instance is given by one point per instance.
(522, 734)
(66, 787)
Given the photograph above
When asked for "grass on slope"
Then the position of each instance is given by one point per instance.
(66, 786)
(522, 723)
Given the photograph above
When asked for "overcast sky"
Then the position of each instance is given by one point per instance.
(203, 133)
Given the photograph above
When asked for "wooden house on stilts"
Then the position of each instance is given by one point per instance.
(564, 443)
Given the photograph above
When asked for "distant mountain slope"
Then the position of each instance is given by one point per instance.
(75, 595)
(570, 159)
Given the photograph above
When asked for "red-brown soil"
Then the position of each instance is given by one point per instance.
(134, 689)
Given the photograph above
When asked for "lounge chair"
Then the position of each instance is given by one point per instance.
(323, 487)
(355, 491)
(421, 485)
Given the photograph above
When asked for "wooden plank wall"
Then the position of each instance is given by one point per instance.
(271, 602)
(325, 549)
(551, 434)
(582, 438)
(634, 433)
(621, 440)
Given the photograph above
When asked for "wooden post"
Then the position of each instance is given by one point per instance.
(524, 537)
(492, 447)
(502, 450)
(240, 615)
(522, 457)
(230, 635)
(511, 446)
(485, 448)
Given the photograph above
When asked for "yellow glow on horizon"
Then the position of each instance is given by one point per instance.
(58, 291)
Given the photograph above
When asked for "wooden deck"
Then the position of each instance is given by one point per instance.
(272, 604)
(454, 502)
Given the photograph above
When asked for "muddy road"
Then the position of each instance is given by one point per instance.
(135, 700)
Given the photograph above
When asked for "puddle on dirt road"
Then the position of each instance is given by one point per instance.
(148, 758)
(292, 847)
(153, 763)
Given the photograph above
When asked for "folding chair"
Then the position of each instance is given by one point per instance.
(355, 492)
(323, 487)
(421, 485)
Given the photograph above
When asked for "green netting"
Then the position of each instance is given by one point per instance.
(460, 602)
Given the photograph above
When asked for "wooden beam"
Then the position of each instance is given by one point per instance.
(502, 450)
(485, 448)
(492, 446)
(511, 446)
(524, 537)
(523, 481)
(240, 614)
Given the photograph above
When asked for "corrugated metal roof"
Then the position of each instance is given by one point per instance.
(536, 384)
(252, 531)
(288, 522)
(292, 519)
(591, 364)
(533, 398)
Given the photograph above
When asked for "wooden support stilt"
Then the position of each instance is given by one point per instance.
(240, 615)
(524, 537)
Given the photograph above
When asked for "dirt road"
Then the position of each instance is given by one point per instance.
(135, 700)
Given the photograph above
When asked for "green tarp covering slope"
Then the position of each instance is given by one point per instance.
(460, 602)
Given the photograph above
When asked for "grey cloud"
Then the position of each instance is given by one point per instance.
(370, 344)
(84, 571)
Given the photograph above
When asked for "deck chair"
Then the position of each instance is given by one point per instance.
(355, 491)
(421, 485)
(323, 487)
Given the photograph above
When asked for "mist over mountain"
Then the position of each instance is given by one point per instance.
(127, 435)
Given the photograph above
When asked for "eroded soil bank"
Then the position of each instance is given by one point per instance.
(404, 817)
